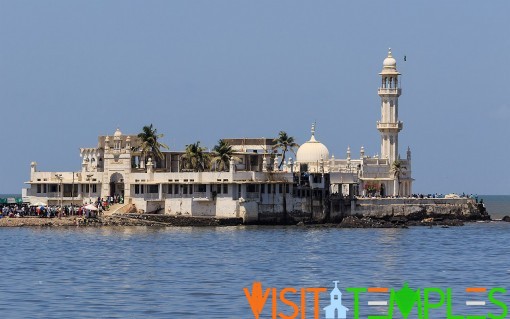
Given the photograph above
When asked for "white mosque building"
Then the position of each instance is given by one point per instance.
(370, 174)
(315, 184)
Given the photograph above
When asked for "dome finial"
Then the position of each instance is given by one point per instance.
(389, 53)
(313, 128)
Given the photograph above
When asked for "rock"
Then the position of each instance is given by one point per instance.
(506, 219)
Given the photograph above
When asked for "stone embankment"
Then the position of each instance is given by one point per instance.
(119, 220)
(368, 213)
(373, 213)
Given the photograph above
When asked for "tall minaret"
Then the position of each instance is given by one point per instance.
(389, 125)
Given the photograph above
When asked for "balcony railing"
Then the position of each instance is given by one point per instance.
(393, 91)
(397, 125)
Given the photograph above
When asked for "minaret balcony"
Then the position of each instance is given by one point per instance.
(389, 91)
(390, 126)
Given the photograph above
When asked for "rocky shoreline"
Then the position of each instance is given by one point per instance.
(158, 220)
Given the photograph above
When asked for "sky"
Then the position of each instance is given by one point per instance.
(206, 70)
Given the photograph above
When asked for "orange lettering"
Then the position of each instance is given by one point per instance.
(257, 299)
(303, 303)
(288, 303)
(316, 292)
(275, 304)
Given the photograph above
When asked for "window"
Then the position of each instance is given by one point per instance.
(153, 189)
(218, 189)
(185, 189)
(38, 188)
(94, 188)
(137, 188)
(176, 189)
(201, 188)
(53, 188)
(190, 189)
(252, 188)
(287, 188)
(44, 188)
(280, 188)
(263, 188)
(170, 188)
(269, 188)
(225, 189)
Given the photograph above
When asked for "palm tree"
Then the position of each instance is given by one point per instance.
(195, 157)
(149, 142)
(397, 168)
(285, 143)
(222, 154)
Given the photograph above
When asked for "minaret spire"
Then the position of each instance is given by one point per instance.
(389, 126)
(312, 139)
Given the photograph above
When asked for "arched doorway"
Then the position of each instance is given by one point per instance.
(117, 185)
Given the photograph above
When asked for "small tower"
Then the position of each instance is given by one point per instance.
(389, 126)
(128, 143)
(117, 141)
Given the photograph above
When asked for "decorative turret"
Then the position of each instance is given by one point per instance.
(389, 126)
(128, 143)
(33, 169)
(117, 141)
(408, 154)
(362, 152)
(232, 165)
(150, 169)
(107, 143)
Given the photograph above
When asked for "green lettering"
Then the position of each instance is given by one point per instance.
(504, 307)
(391, 303)
(356, 292)
(427, 305)
(449, 314)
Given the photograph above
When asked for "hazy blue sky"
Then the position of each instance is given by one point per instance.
(204, 70)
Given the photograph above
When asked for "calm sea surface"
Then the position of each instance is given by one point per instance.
(138, 272)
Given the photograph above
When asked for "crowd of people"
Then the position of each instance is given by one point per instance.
(421, 196)
(51, 211)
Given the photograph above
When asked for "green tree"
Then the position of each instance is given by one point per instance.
(195, 158)
(397, 168)
(222, 154)
(285, 143)
(149, 142)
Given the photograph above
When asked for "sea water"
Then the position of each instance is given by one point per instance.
(140, 272)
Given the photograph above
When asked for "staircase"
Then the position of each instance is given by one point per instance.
(116, 209)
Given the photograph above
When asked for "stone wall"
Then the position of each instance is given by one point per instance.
(418, 209)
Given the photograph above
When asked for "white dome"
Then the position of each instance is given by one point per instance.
(312, 151)
(117, 133)
(389, 64)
